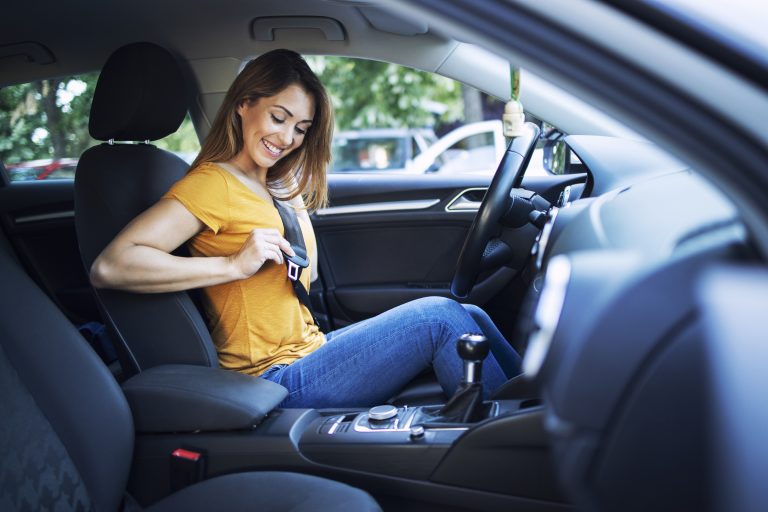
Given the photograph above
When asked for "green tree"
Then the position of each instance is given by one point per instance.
(372, 94)
(183, 140)
(46, 119)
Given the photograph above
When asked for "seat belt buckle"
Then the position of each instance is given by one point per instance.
(293, 270)
(187, 467)
(296, 263)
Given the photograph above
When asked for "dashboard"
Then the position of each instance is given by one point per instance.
(614, 323)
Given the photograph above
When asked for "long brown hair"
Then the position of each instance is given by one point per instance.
(303, 171)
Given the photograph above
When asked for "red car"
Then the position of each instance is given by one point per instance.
(47, 169)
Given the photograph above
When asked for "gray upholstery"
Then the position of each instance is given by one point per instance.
(116, 182)
(66, 432)
(268, 491)
(36, 473)
(67, 383)
(184, 398)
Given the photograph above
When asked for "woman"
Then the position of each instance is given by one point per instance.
(271, 139)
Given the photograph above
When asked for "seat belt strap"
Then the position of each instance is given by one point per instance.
(295, 264)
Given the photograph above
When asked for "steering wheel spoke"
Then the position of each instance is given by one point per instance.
(496, 254)
(494, 207)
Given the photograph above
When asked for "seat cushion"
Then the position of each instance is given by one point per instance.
(36, 472)
(81, 415)
(268, 491)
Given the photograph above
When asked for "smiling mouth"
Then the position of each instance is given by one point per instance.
(272, 149)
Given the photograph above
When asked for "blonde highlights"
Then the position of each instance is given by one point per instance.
(303, 171)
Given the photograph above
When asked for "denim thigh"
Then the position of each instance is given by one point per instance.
(368, 362)
(505, 354)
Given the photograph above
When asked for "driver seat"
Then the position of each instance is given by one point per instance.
(140, 97)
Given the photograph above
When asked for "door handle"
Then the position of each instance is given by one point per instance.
(468, 200)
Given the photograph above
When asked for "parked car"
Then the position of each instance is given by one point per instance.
(379, 149)
(470, 148)
(50, 169)
(473, 148)
(634, 279)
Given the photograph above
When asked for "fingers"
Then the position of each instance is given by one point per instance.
(286, 247)
(272, 236)
(264, 245)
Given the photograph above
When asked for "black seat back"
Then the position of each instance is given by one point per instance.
(139, 97)
(66, 433)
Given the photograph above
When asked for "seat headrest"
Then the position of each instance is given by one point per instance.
(140, 95)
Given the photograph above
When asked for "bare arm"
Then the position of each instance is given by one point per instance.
(139, 258)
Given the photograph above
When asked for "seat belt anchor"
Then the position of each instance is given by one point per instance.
(188, 466)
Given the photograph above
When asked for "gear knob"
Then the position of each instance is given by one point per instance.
(472, 347)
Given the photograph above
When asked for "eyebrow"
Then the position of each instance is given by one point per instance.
(291, 113)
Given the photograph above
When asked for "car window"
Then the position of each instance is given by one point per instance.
(44, 128)
(415, 149)
(357, 151)
(393, 119)
(473, 153)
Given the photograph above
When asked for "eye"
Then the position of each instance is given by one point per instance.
(277, 119)
(301, 131)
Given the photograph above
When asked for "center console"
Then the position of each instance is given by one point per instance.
(451, 454)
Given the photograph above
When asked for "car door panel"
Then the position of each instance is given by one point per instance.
(38, 218)
(374, 256)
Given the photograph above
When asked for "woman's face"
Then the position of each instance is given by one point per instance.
(275, 126)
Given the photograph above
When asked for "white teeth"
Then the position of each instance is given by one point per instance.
(272, 149)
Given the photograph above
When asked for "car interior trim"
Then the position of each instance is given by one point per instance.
(460, 203)
(389, 206)
(731, 53)
(541, 246)
(263, 29)
(547, 314)
(24, 219)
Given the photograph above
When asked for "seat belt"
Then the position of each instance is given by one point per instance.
(296, 264)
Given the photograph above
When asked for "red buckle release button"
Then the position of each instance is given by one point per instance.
(181, 453)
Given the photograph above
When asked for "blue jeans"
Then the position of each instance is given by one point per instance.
(368, 362)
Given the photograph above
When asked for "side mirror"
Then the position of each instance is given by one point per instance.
(557, 156)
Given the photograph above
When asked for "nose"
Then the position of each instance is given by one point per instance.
(286, 136)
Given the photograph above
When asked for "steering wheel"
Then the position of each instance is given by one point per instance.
(495, 204)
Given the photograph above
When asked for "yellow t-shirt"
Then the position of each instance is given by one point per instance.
(256, 322)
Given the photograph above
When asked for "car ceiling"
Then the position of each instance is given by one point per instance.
(215, 43)
(94, 29)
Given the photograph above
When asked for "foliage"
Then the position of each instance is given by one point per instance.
(49, 118)
(183, 140)
(371, 94)
(46, 119)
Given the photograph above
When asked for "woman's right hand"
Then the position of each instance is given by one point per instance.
(262, 245)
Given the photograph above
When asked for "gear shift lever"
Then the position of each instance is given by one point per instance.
(466, 405)
(473, 349)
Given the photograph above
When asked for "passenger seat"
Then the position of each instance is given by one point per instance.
(66, 431)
